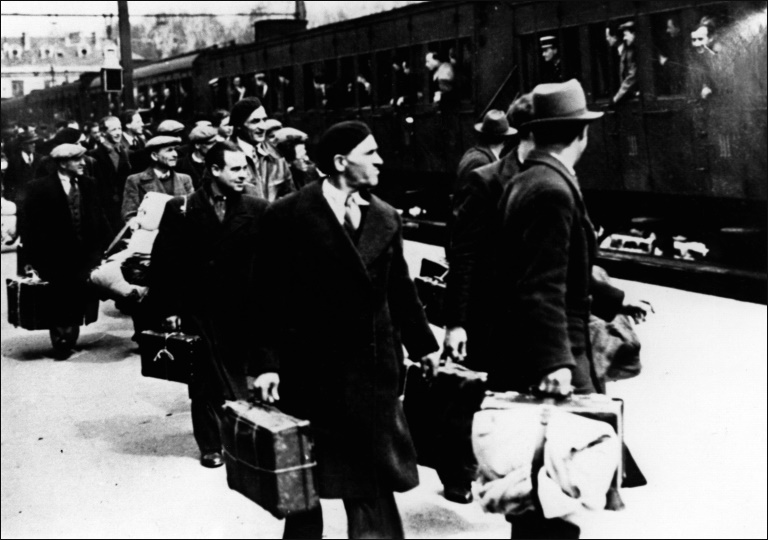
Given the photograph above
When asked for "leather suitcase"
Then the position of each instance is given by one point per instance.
(269, 458)
(439, 415)
(30, 303)
(168, 356)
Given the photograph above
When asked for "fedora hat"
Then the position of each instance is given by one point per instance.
(495, 123)
(560, 102)
(28, 137)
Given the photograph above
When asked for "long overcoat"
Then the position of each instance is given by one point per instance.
(337, 314)
(200, 271)
(545, 253)
(53, 246)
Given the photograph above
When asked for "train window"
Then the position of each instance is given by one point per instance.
(238, 90)
(571, 54)
(668, 53)
(345, 85)
(406, 78)
(529, 61)
(550, 61)
(261, 88)
(385, 68)
(464, 68)
(316, 84)
(282, 83)
(364, 79)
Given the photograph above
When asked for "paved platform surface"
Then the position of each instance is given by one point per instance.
(91, 449)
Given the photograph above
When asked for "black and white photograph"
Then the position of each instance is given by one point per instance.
(384, 269)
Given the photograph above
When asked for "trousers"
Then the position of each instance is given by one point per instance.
(366, 518)
(205, 424)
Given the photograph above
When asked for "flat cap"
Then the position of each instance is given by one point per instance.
(271, 123)
(170, 126)
(290, 134)
(67, 151)
(161, 141)
(202, 134)
(629, 25)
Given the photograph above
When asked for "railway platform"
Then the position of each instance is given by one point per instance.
(91, 449)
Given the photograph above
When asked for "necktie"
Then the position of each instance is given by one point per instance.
(351, 216)
(220, 206)
(74, 205)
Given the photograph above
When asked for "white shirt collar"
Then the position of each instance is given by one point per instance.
(66, 183)
(128, 137)
(567, 167)
(337, 199)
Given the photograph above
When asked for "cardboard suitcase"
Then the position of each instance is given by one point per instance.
(168, 356)
(439, 414)
(30, 303)
(269, 458)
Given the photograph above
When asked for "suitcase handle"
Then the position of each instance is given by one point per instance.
(164, 351)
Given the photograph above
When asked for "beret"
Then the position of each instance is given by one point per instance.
(67, 151)
(242, 110)
(170, 126)
(161, 141)
(67, 135)
(202, 134)
(340, 139)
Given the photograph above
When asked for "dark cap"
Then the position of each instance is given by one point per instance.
(340, 139)
(242, 110)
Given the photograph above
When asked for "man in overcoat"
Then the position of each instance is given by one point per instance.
(113, 167)
(202, 138)
(65, 233)
(200, 272)
(544, 256)
(160, 176)
(338, 305)
(23, 162)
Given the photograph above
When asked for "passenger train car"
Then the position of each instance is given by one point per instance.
(676, 182)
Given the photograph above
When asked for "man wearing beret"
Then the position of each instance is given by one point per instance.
(113, 166)
(269, 171)
(539, 336)
(65, 232)
(202, 138)
(200, 273)
(160, 177)
(338, 301)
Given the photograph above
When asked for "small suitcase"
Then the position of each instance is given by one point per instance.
(269, 458)
(168, 356)
(30, 303)
(439, 414)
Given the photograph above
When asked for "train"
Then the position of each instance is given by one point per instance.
(675, 182)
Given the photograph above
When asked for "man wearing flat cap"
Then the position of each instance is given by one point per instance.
(202, 138)
(159, 177)
(338, 307)
(65, 233)
(270, 173)
(545, 250)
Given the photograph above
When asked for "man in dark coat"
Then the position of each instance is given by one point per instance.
(202, 138)
(627, 65)
(113, 167)
(337, 302)
(65, 233)
(545, 251)
(201, 264)
(23, 162)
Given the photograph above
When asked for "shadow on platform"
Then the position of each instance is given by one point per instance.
(96, 347)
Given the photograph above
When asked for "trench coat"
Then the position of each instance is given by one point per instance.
(199, 271)
(53, 247)
(544, 256)
(337, 314)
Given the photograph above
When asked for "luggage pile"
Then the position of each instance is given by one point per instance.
(123, 274)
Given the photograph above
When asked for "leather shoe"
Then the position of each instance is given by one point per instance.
(458, 494)
(211, 460)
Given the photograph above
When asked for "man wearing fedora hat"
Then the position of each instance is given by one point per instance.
(22, 166)
(65, 232)
(545, 249)
(493, 133)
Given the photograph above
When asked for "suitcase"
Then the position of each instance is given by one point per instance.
(439, 415)
(594, 406)
(269, 458)
(168, 356)
(30, 303)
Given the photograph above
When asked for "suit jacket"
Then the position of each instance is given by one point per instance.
(200, 271)
(52, 245)
(470, 292)
(140, 184)
(18, 175)
(334, 334)
(545, 251)
(474, 158)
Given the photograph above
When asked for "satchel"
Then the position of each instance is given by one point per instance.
(615, 348)
(439, 414)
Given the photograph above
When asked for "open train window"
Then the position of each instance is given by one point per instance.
(603, 47)
(669, 46)
(385, 70)
(364, 79)
(406, 76)
(441, 64)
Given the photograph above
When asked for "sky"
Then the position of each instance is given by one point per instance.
(45, 26)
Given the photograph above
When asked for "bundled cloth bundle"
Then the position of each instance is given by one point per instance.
(8, 222)
(151, 210)
(543, 457)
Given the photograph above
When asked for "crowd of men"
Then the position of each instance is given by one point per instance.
(297, 284)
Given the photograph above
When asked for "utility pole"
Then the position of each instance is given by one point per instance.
(126, 58)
